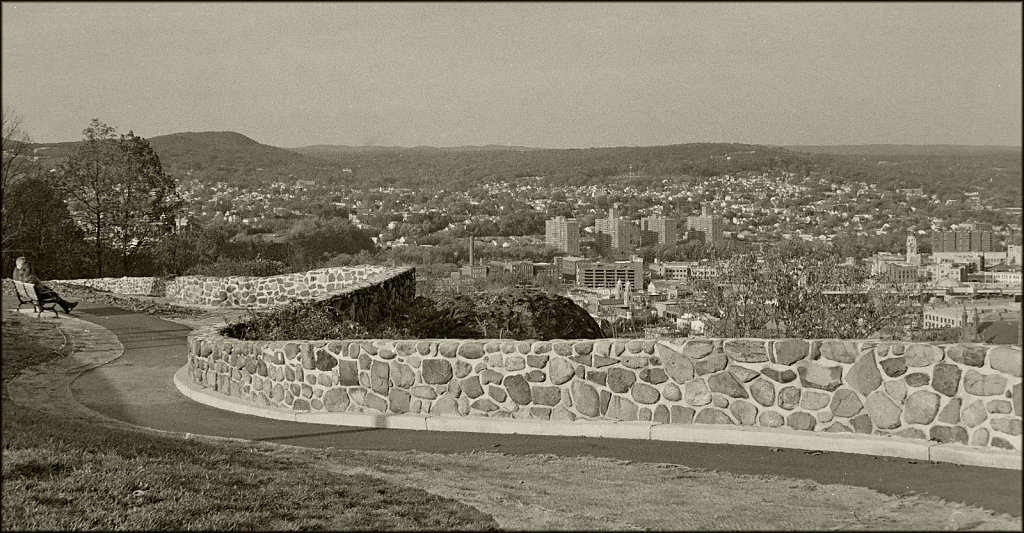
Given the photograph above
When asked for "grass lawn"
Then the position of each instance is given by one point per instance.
(63, 474)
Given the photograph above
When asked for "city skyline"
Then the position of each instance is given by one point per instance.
(539, 75)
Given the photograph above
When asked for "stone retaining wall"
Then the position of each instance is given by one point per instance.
(368, 301)
(966, 393)
(275, 291)
(125, 285)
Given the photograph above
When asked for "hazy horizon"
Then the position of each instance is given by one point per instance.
(531, 75)
(994, 146)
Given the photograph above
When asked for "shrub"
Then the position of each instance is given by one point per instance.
(258, 267)
(511, 313)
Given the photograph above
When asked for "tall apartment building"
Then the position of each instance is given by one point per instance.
(658, 230)
(563, 233)
(616, 233)
(963, 241)
(708, 225)
(982, 241)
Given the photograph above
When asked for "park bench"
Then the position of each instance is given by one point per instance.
(27, 295)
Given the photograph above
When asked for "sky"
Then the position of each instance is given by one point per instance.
(551, 75)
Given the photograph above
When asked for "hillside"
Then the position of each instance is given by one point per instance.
(464, 166)
(322, 150)
(233, 157)
(914, 150)
(216, 156)
(223, 150)
(942, 169)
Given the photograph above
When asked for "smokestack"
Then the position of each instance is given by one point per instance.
(704, 210)
(470, 250)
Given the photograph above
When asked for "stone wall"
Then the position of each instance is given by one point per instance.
(275, 291)
(369, 301)
(125, 285)
(966, 393)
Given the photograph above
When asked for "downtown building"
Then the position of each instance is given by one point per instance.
(980, 247)
(658, 230)
(563, 233)
(605, 274)
(687, 271)
(616, 233)
(706, 227)
(963, 241)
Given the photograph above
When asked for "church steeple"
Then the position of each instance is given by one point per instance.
(969, 329)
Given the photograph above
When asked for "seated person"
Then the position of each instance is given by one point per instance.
(23, 272)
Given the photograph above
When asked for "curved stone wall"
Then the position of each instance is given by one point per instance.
(275, 291)
(125, 285)
(965, 393)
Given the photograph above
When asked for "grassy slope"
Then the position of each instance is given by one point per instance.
(59, 474)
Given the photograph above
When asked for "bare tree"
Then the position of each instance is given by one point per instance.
(16, 166)
(35, 220)
(804, 292)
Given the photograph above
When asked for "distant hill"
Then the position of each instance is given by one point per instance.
(223, 150)
(331, 149)
(52, 151)
(995, 171)
(905, 149)
(462, 166)
(212, 154)
(233, 157)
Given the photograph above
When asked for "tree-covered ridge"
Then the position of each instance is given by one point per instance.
(904, 150)
(212, 150)
(462, 167)
(213, 156)
(235, 158)
(993, 171)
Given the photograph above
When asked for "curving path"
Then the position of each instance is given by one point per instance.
(138, 388)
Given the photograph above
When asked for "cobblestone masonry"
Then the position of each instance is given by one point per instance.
(274, 291)
(966, 393)
(126, 285)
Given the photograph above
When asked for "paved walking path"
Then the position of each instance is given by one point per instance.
(137, 387)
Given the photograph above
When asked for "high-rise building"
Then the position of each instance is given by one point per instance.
(658, 230)
(563, 233)
(982, 241)
(963, 241)
(708, 225)
(616, 233)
